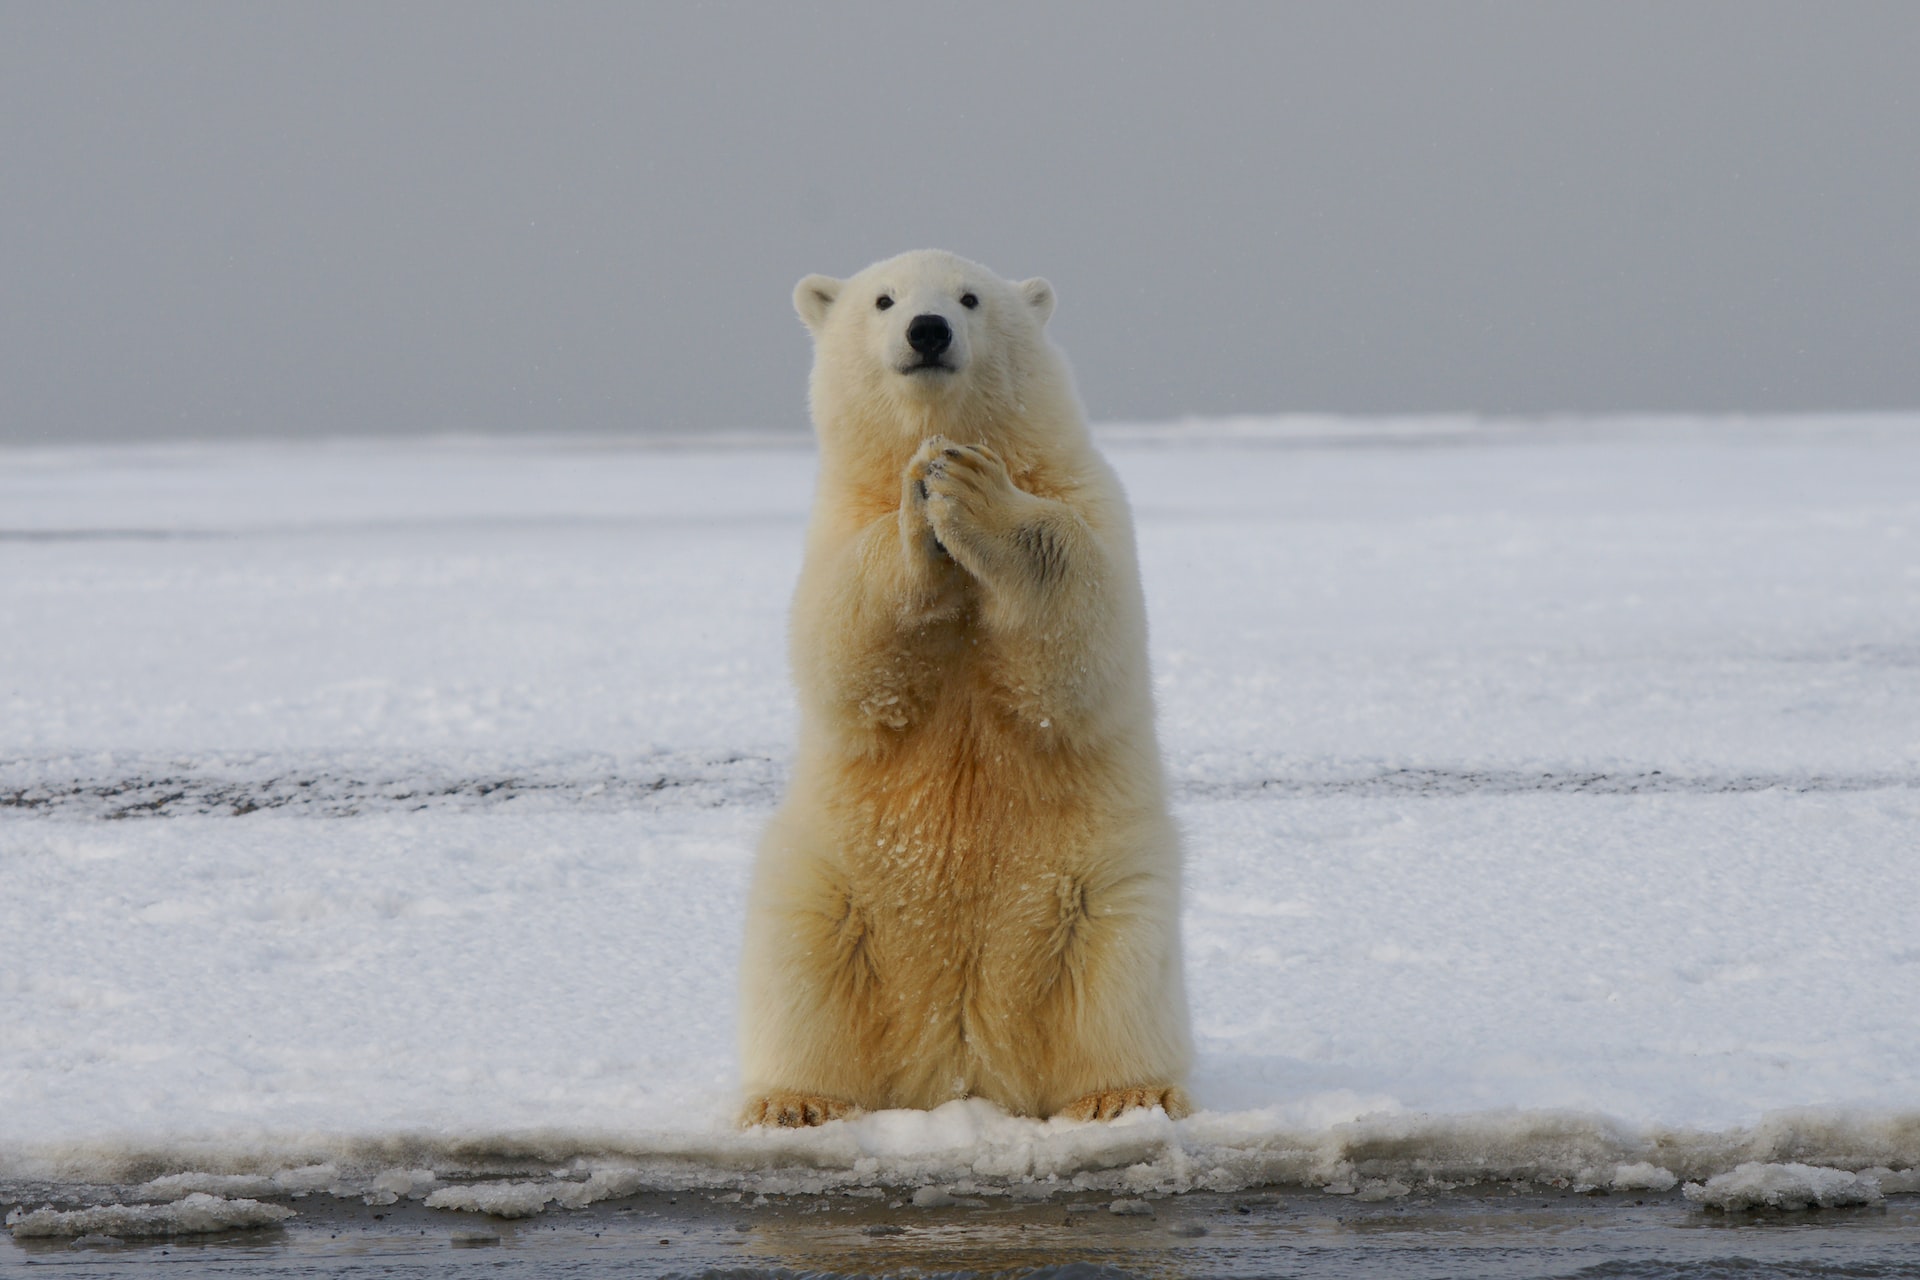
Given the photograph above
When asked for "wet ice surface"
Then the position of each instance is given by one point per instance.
(1517, 1231)
(372, 810)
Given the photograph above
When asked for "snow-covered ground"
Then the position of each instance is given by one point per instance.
(375, 814)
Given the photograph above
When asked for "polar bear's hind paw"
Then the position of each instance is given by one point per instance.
(1105, 1104)
(795, 1110)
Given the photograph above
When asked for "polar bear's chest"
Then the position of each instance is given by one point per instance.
(967, 786)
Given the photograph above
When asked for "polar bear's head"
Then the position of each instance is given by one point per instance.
(925, 331)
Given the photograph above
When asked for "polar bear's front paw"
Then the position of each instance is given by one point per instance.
(786, 1110)
(915, 530)
(970, 496)
(1105, 1104)
(967, 477)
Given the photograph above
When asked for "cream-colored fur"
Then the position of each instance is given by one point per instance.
(973, 886)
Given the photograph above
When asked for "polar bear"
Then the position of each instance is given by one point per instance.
(972, 887)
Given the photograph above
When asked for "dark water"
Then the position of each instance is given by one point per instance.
(1440, 1237)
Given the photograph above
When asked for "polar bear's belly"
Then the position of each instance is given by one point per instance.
(971, 857)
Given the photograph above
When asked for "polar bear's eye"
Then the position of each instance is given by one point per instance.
(968, 301)
(883, 302)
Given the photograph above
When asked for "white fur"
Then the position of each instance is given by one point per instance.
(973, 885)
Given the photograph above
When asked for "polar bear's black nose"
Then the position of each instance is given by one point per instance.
(929, 335)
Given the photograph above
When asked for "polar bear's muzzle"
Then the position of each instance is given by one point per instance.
(930, 336)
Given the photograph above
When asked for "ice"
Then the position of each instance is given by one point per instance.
(1642, 1176)
(1894, 1182)
(197, 1214)
(377, 817)
(1784, 1186)
(395, 1184)
(501, 1199)
(232, 1185)
(1377, 1189)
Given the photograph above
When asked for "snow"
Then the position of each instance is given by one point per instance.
(1784, 1186)
(197, 1214)
(1643, 1176)
(376, 816)
(501, 1199)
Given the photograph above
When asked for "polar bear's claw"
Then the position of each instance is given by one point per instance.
(1105, 1104)
(795, 1110)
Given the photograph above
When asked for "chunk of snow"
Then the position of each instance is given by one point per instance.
(501, 1199)
(413, 1184)
(1383, 1189)
(197, 1214)
(1894, 1183)
(230, 1185)
(307, 1179)
(1643, 1177)
(1784, 1186)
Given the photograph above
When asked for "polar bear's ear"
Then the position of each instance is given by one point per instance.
(812, 297)
(1039, 296)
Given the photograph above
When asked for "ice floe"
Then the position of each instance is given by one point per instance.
(1548, 801)
(1784, 1186)
(197, 1214)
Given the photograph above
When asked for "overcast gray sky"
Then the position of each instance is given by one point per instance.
(288, 219)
